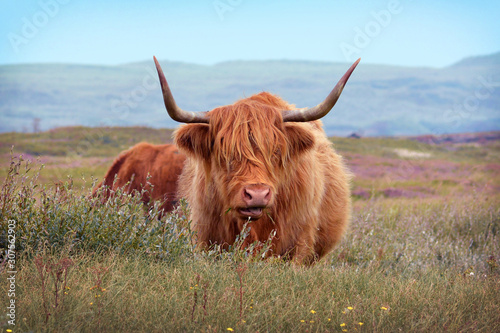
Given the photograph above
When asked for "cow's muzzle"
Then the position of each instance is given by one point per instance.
(255, 197)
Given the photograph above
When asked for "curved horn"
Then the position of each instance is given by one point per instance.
(175, 112)
(324, 107)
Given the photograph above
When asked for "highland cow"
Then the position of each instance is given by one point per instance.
(262, 161)
(150, 170)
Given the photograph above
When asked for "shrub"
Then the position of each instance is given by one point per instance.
(60, 215)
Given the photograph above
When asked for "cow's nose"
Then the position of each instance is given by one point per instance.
(256, 195)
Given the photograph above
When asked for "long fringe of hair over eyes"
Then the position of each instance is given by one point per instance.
(237, 133)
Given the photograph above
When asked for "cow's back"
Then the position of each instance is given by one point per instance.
(153, 168)
(335, 205)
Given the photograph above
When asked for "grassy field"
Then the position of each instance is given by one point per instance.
(421, 253)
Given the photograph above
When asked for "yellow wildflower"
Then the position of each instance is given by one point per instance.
(302, 321)
(360, 324)
(342, 325)
(312, 311)
(350, 308)
(312, 321)
(230, 329)
(383, 308)
(9, 330)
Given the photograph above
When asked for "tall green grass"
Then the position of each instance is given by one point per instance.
(114, 293)
(410, 265)
(61, 214)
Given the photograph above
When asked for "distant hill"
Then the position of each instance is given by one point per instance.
(486, 60)
(378, 99)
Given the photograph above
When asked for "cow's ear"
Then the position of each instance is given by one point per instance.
(299, 138)
(194, 139)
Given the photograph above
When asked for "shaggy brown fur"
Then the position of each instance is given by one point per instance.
(162, 162)
(248, 143)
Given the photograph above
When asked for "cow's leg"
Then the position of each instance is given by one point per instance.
(304, 250)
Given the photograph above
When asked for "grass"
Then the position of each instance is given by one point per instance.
(79, 153)
(387, 147)
(410, 264)
(139, 294)
(82, 141)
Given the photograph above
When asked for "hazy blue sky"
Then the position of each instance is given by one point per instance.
(416, 33)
